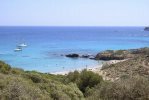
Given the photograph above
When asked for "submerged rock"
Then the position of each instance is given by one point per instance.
(85, 56)
(73, 55)
(92, 58)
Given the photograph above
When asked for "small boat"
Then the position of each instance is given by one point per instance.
(22, 45)
(18, 49)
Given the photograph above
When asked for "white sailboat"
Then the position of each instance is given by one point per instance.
(22, 45)
(18, 49)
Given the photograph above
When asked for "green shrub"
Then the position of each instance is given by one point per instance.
(88, 79)
(35, 77)
(4, 68)
(59, 91)
(17, 71)
(73, 77)
(84, 79)
(20, 89)
(134, 88)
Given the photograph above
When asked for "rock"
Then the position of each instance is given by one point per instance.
(85, 56)
(61, 55)
(92, 58)
(146, 28)
(73, 55)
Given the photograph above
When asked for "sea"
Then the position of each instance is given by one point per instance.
(47, 46)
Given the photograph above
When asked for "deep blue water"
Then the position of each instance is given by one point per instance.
(46, 44)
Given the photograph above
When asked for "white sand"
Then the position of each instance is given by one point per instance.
(95, 69)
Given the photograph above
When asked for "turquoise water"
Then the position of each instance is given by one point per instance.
(47, 44)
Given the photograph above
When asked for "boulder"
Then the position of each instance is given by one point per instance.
(73, 55)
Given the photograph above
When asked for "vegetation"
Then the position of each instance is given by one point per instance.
(132, 88)
(84, 80)
(132, 67)
(16, 84)
(4, 68)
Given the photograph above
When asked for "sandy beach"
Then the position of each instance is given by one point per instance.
(96, 69)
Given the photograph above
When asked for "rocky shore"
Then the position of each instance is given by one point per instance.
(122, 63)
(113, 54)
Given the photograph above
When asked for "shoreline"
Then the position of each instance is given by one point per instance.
(66, 72)
(95, 69)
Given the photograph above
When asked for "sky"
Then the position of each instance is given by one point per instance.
(74, 12)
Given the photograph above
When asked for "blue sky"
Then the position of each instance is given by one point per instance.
(74, 12)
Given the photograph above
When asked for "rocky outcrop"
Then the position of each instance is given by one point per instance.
(73, 55)
(107, 56)
(85, 56)
(121, 54)
(112, 55)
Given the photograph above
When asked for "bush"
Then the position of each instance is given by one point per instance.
(35, 77)
(84, 79)
(135, 88)
(60, 91)
(19, 89)
(4, 68)
(17, 71)
(88, 79)
(73, 77)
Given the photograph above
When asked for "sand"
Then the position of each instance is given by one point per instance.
(96, 69)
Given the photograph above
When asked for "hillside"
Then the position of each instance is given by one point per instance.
(135, 62)
(131, 67)
(16, 84)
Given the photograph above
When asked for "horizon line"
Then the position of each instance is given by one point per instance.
(67, 26)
